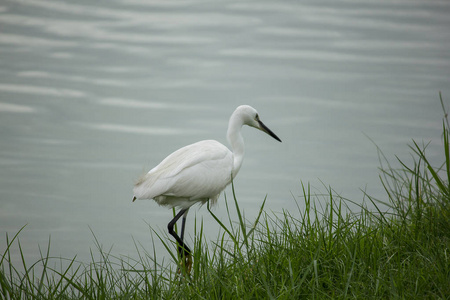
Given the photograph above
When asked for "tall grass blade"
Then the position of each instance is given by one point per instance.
(241, 220)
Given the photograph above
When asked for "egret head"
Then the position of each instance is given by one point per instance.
(250, 117)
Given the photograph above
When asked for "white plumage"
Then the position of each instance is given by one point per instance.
(195, 173)
(199, 172)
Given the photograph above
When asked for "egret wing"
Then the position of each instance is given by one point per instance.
(196, 171)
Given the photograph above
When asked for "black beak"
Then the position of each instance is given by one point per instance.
(267, 130)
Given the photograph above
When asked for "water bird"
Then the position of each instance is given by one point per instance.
(198, 173)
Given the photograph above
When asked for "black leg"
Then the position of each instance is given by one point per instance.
(181, 245)
(183, 223)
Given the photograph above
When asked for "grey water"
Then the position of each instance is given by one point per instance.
(94, 93)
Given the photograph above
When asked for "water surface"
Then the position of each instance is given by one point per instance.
(94, 94)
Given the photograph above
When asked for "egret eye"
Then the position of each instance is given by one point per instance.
(257, 117)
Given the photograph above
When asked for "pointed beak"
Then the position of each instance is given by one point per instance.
(267, 130)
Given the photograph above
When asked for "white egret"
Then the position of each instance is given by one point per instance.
(198, 172)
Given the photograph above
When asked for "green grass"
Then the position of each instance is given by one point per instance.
(398, 249)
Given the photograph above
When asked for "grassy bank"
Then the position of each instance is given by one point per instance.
(315, 252)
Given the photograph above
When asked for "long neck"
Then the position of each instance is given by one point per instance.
(236, 141)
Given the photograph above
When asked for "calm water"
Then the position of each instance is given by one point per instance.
(93, 94)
